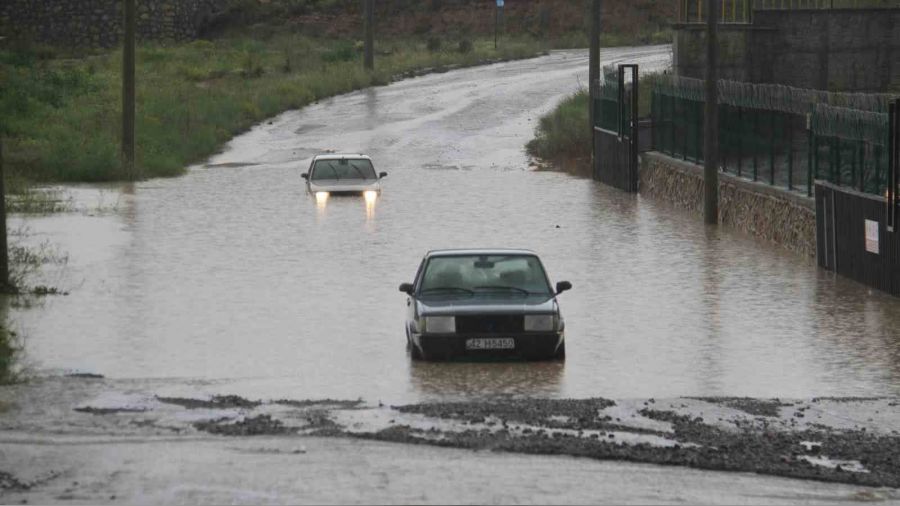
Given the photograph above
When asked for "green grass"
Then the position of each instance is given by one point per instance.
(60, 113)
(9, 353)
(61, 116)
(564, 133)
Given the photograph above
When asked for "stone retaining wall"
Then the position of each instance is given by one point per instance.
(98, 23)
(758, 209)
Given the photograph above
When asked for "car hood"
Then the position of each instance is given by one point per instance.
(344, 185)
(532, 304)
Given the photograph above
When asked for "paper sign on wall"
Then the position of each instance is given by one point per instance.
(872, 236)
(499, 3)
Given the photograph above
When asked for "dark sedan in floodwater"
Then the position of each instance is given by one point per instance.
(484, 303)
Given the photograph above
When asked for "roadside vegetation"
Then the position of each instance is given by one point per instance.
(59, 110)
(62, 114)
(563, 135)
(9, 353)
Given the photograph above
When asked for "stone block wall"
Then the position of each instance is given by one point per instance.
(98, 23)
(760, 210)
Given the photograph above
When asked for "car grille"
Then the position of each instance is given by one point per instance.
(489, 324)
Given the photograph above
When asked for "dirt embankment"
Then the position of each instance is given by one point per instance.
(543, 18)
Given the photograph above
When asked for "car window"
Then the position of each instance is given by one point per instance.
(521, 274)
(344, 168)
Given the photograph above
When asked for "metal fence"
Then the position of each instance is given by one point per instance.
(741, 11)
(783, 136)
(606, 103)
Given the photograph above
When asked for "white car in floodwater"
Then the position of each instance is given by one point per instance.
(343, 174)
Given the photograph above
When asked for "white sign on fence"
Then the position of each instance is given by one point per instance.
(872, 236)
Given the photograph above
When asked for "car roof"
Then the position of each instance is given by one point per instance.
(479, 251)
(338, 156)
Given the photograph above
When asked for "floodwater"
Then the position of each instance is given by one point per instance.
(231, 278)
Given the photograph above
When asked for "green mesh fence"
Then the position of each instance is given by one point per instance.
(776, 134)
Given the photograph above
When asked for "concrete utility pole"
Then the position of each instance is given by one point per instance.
(128, 92)
(370, 35)
(4, 251)
(711, 140)
(593, 62)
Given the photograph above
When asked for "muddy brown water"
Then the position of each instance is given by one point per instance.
(232, 276)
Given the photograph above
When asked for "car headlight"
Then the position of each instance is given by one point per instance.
(540, 322)
(439, 324)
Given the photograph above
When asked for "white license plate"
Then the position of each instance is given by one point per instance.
(491, 343)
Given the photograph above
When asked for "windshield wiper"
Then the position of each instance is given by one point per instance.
(496, 287)
(359, 171)
(447, 288)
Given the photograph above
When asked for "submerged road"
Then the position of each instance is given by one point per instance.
(233, 274)
(231, 280)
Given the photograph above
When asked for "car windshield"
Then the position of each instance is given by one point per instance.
(471, 274)
(343, 168)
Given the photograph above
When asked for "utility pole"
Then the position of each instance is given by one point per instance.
(498, 19)
(4, 251)
(128, 92)
(593, 64)
(711, 129)
(370, 35)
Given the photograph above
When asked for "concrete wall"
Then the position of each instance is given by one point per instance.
(836, 50)
(755, 208)
(98, 23)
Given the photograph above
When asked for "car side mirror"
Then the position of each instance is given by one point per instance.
(382, 174)
(562, 286)
(305, 176)
(407, 288)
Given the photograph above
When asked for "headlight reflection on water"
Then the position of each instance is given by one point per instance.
(370, 197)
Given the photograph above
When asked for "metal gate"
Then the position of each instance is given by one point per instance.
(857, 233)
(616, 131)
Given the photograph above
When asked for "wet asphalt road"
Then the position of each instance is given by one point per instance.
(230, 280)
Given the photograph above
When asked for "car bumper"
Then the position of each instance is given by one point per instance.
(529, 346)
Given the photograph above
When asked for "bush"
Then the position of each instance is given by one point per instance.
(434, 44)
(465, 46)
(564, 132)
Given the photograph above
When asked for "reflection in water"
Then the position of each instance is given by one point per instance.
(371, 198)
(466, 380)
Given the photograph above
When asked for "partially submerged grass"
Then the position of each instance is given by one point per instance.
(10, 350)
(565, 131)
(564, 134)
(62, 115)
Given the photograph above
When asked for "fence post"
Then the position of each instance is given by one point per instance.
(711, 123)
(893, 163)
(369, 61)
(128, 91)
(755, 144)
(740, 140)
(594, 75)
(772, 116)
(790, 123)
(4, 251)
(809, 161)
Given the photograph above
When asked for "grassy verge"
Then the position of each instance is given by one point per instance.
(563, 135)
(9, 352)
(62, 115)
